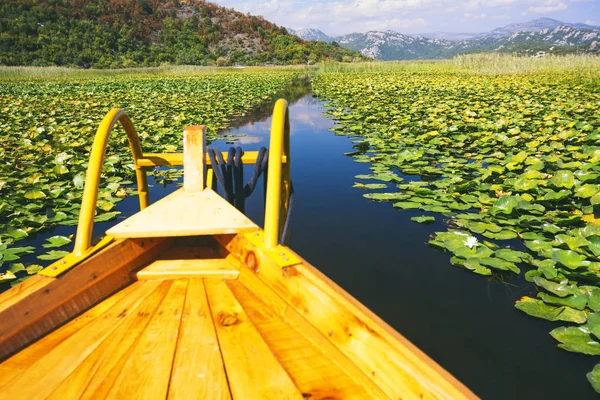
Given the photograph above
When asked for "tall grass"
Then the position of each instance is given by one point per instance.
(582, 67)
(585, 67)
(496, 63)
(387, 66)
(59, 72)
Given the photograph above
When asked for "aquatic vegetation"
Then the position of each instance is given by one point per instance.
(47, 127)
(511, 158)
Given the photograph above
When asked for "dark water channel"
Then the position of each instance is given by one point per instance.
(465, 322)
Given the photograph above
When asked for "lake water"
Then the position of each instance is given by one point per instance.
(465, 322)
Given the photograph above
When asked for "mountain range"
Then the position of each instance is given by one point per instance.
(529, 38)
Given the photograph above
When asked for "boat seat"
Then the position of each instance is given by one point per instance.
(185, 214)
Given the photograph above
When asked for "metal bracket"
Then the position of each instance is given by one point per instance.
(282, 255)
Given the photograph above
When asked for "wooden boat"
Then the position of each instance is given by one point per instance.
(189, 299)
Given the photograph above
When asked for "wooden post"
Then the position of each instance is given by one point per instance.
(193, 158)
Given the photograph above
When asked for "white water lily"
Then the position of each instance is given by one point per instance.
(471, 242)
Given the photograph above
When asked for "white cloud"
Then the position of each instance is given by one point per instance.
(481, 17)
(396, 24)
(547, 8)
(479, 4)
(590, 22)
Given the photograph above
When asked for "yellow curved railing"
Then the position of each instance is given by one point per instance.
(83, 238)
(277, 189)
(278, 182)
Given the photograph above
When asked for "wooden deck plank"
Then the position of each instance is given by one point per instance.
(188, 269)
(92, 378)
(198, 370)
(314, 371)
(147, 372)
(45, 306)
(41, 378)
(354, 336)
(252, 369)
(396, 365)
(30, 354)
(185, 214)
(291, 314)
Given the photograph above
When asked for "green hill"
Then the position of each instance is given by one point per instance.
(127, 33)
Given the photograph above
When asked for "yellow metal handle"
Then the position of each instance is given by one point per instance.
(83, 239)
(278, 182)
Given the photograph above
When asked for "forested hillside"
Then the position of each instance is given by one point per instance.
(126, 33)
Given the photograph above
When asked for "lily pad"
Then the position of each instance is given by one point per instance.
(563, 179)
(7, 276)
(593, 295)
(575, 339)
(53, 255)
(568, 258)
(57, 241)
(578, 301)
(34, 194)
(500, 264)
(594, 378)
(561, 289)
(539, 309)
(512, 255)
(370, 186)
(424, 219)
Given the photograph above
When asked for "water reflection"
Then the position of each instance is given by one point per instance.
(295, 91)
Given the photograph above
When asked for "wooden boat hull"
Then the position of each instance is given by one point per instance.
(204, 317)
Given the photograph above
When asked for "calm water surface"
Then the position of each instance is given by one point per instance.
(465, 322)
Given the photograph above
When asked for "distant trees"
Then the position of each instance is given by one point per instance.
(122, 33)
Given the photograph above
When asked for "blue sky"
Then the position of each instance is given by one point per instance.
(337, 17)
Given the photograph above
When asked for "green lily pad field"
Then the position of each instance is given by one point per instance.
(47, 127)
(501, 158)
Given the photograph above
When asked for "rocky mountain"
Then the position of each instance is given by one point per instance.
(558, 40)
(451, 36)
(391, 45)
(535, 25)
(529, 38)
(311, 34)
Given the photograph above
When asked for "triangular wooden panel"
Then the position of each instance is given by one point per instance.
(185, 214)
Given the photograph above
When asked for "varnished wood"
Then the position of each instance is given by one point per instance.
(52, 301)
(198, 370)
(398, 367)
(95, 375)
(193, 158)
(46, 373)
(185, 214)
(252, 370)
(314, 370)
(186, 269)
(291, 315)
(19, 292)
(22, 360)
(146, 373)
